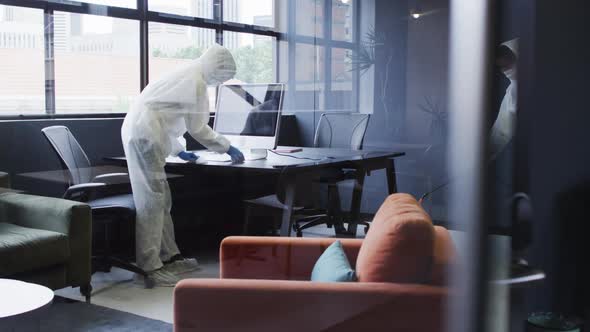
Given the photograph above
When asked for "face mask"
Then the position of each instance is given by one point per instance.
(511, 73)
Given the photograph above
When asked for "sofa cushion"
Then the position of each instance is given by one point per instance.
(25, 249)
(444, 256)
(399, 245)
(333, 266)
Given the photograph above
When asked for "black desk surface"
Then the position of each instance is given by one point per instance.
(307, 159)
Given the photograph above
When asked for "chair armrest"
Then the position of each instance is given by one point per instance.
(112, 178)
(81, 192)
(244, 257)
(73, 219)
(273, 305)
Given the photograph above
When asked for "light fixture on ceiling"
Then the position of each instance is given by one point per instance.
(416, 12)
(345, 1)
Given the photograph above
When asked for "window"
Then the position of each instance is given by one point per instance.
(86, 56)
(114, 3)
(309, 60)
(96, 63)
(22, 89)
(254, 56)
(256, 12)
(342, 80)
(173, 45)
(195, 8)
(342, 20)
(324, 42)
(310, 17)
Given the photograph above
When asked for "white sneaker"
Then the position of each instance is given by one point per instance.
(159, 277)
(181, 266)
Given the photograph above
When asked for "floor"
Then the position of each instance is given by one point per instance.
(116, 290)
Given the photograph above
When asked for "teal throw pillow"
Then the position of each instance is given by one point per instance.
(333, 266)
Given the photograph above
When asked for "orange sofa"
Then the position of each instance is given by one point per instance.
(264, 284)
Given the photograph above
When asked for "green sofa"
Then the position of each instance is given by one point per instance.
(46, 241)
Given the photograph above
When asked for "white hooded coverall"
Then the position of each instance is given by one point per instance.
(504, 126)
(164, 111)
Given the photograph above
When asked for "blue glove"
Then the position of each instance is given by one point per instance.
(236, 155)
(188, 156)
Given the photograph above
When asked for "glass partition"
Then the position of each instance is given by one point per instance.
(393, 155)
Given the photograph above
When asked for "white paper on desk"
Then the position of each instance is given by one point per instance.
(177, 160)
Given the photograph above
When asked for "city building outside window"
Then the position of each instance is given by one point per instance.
(22, 83)
(85, 57)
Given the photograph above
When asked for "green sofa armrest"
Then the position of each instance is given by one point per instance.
(4, 180)
(73, 219)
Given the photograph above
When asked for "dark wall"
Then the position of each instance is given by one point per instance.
(25, 149)
(389, 112)
(553, 127)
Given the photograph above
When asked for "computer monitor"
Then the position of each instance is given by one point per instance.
(249, 115)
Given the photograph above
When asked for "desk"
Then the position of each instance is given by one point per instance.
(293, 165)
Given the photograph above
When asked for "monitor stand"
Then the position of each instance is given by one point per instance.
(256, 154)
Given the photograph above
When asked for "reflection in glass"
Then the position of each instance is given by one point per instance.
(22, 89)
(96, 63)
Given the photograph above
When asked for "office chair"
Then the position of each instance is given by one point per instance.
(109, 207)
(335, 130)
(273, 205)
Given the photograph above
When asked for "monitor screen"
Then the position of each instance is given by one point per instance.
(249, 109)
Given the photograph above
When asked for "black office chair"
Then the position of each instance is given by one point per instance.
(335, 130)
(273, 205)
(111, 209)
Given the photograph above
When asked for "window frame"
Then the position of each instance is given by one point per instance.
(328, 43)
(143, 16)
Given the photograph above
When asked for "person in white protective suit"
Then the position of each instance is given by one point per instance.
(152, 131)
(503, 129)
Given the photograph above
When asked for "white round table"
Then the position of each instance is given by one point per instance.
(19, 301)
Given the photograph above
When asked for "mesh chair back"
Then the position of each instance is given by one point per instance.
(341, 130)
(70, 153)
